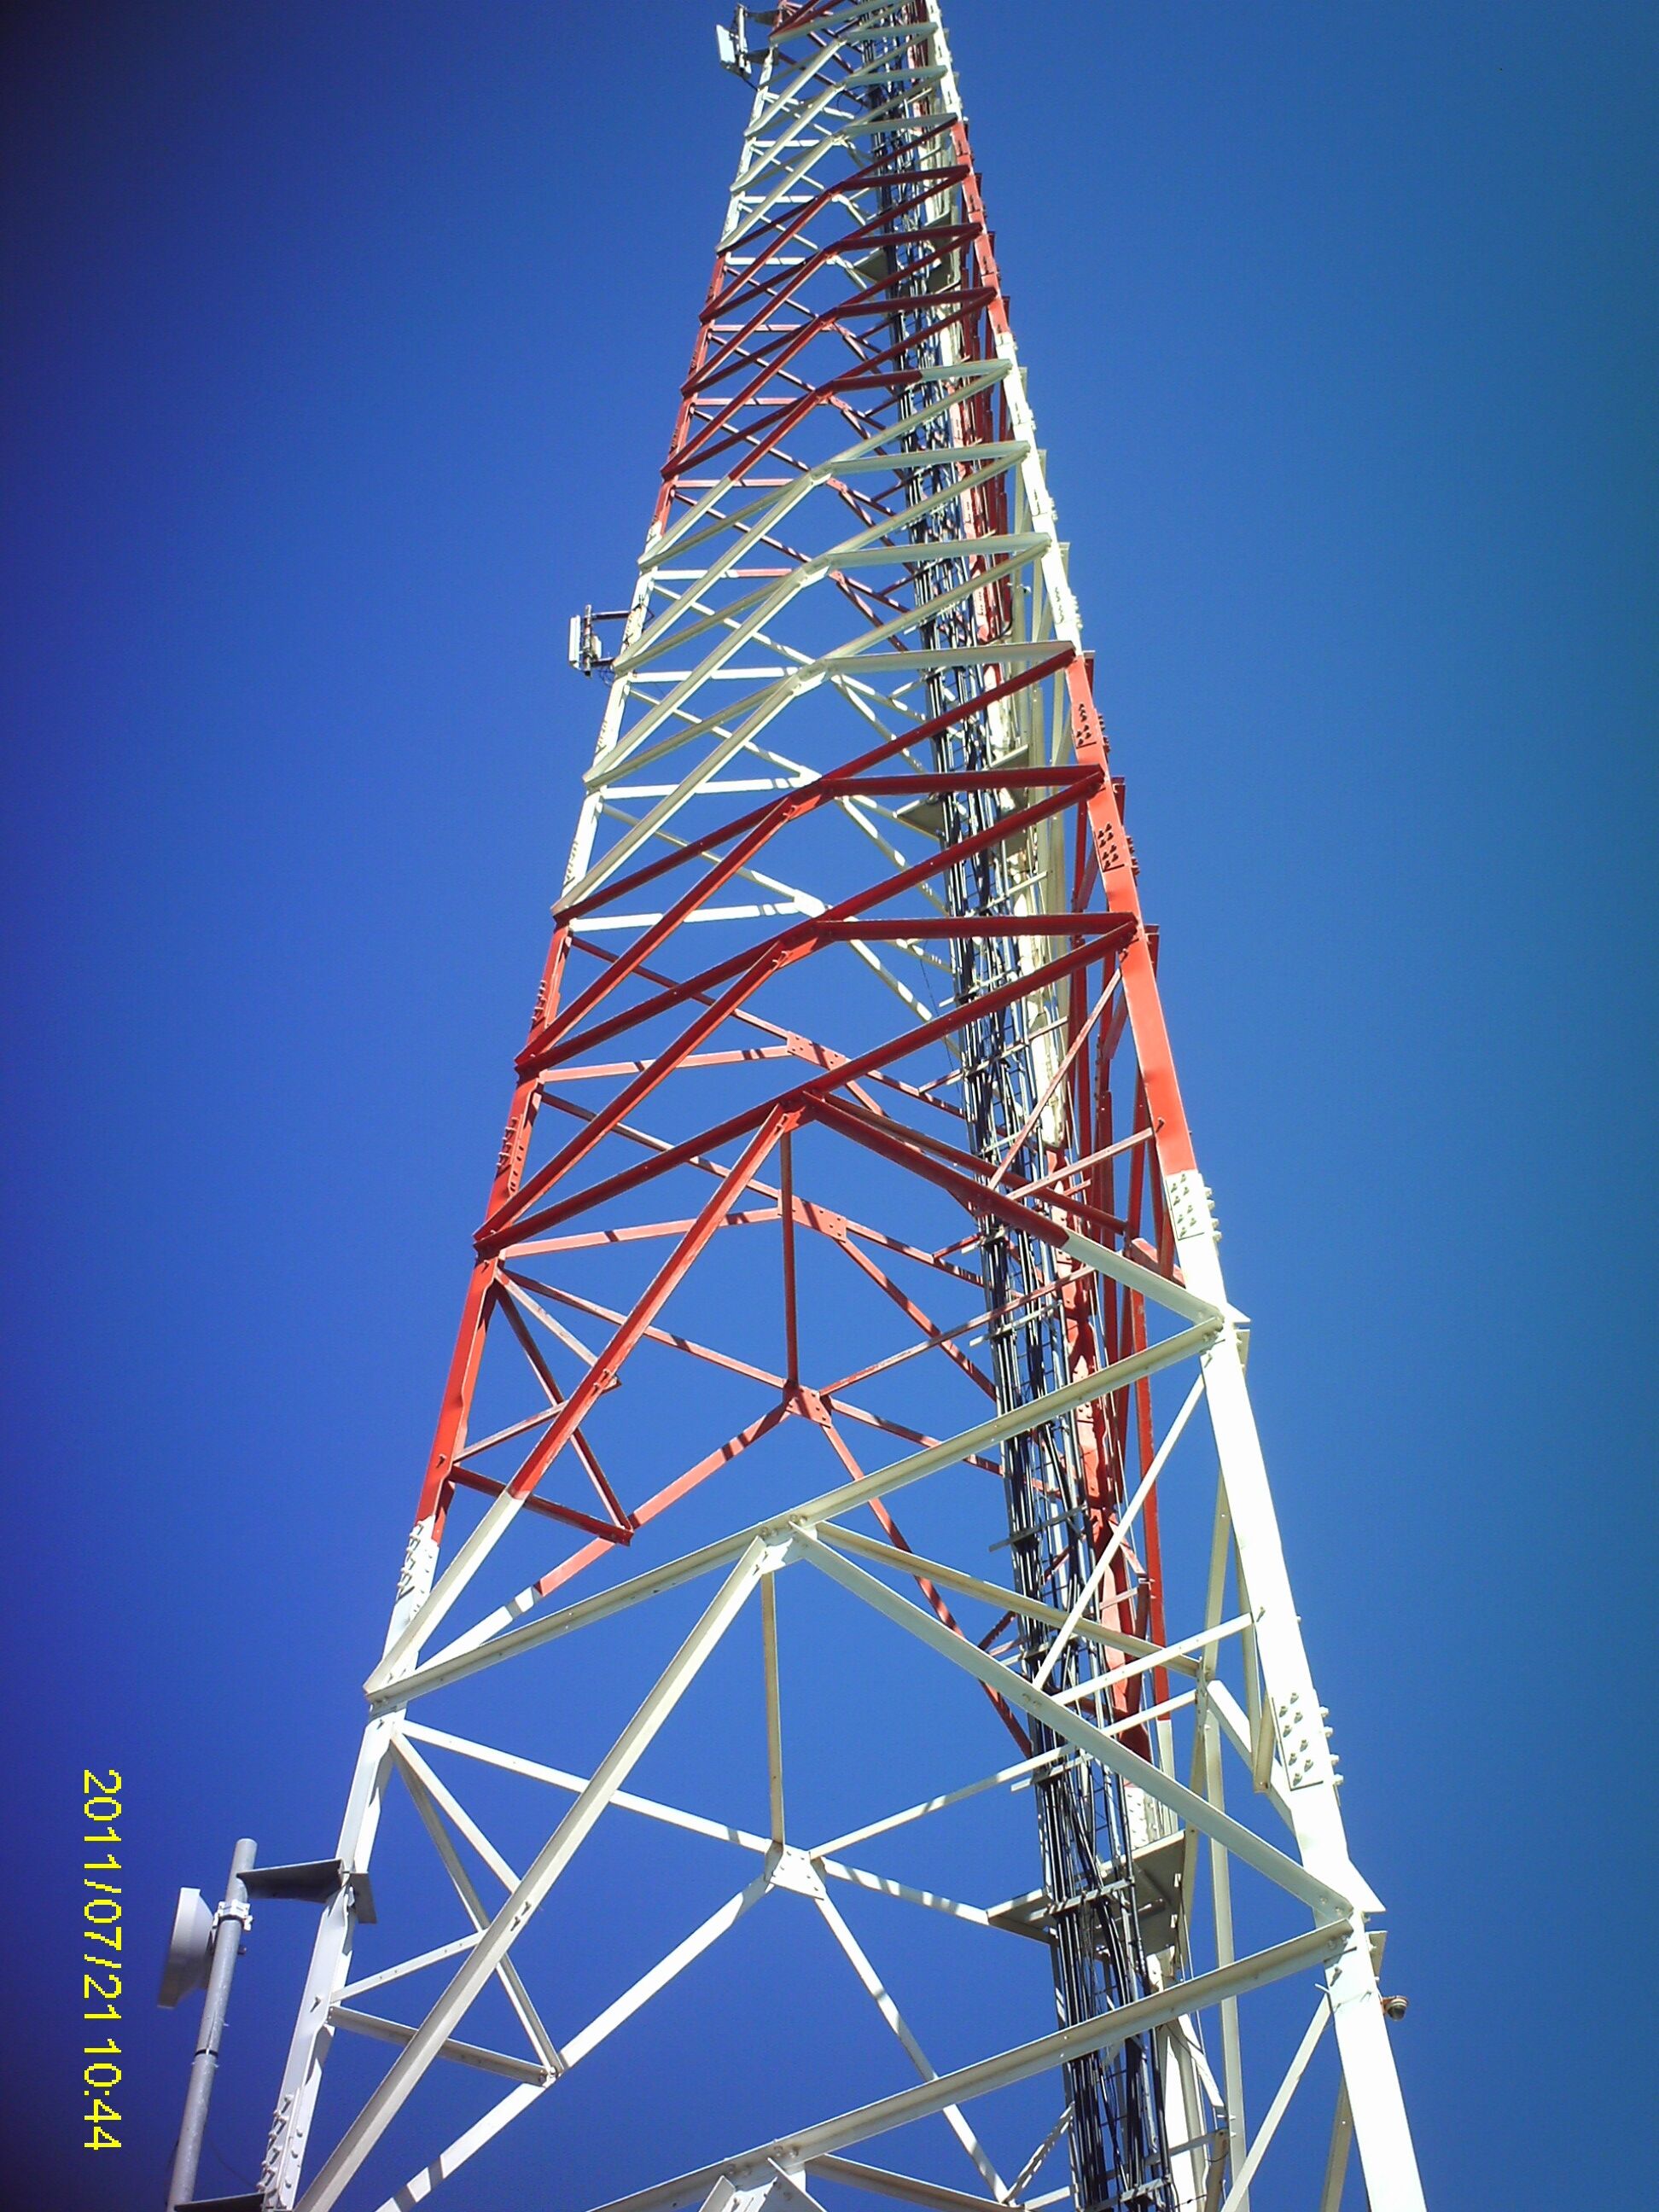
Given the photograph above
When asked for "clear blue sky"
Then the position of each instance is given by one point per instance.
(341, 346)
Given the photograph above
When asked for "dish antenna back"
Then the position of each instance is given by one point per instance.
(189, 1948)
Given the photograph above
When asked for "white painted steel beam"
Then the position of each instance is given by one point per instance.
(549, 1863)
(848, 2130)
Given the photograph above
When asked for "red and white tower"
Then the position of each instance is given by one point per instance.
(845, 1357)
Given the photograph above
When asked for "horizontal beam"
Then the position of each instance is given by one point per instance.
(460, 1659)
(1107, 2033)
(877, 2181)
(465, 2054)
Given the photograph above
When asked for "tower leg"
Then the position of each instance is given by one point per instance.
(1381, 2129)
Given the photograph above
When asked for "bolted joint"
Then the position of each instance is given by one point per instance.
(1190, 1211)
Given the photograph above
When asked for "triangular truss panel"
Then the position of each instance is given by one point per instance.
(845, 1345)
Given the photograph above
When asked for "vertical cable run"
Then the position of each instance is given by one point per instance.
(1099, 1961)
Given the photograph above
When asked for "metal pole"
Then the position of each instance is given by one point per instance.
(229, 1924)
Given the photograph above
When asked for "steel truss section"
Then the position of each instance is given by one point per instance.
(847, 1094)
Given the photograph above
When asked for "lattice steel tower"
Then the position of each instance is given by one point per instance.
(845, 1147)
